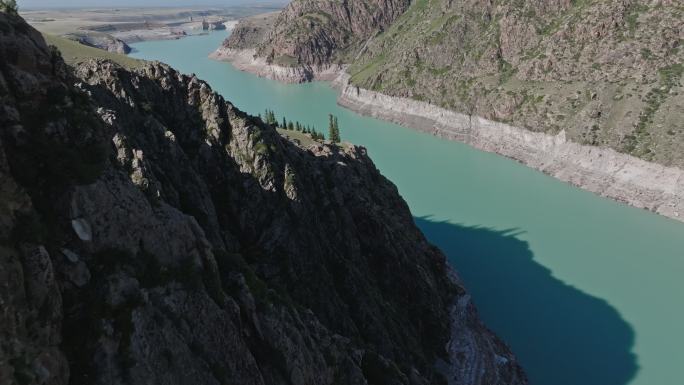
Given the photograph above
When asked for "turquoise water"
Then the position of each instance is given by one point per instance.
(586, 291)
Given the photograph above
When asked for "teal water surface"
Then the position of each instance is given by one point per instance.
(586, 291)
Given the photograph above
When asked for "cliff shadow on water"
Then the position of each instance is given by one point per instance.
(561, 335)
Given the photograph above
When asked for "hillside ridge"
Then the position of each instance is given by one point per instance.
(151, 232)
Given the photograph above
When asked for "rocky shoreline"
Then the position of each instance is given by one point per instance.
(246, 60)
(603, 171)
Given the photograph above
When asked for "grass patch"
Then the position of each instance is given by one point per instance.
(304, 139)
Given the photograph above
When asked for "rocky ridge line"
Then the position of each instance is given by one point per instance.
(150, 232)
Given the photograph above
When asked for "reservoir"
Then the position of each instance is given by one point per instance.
(585, 291)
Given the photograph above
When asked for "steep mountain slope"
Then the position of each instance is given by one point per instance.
(150, 232)
(608, 72)
(312, 38)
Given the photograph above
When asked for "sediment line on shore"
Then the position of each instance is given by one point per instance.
(603, 171)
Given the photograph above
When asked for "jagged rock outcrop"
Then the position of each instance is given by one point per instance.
(150, 232)
(308, 39)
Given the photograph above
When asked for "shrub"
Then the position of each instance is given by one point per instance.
(9, 7)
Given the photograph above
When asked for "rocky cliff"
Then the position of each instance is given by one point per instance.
(311, 39)
(150, 232)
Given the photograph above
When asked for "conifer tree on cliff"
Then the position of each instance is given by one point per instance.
(9, 6)
(333, 129)
(337, 138)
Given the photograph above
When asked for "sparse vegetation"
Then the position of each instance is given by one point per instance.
(472, 54)
(9, 7)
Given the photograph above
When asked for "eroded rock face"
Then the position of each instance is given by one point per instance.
(153, 233)
(311, 35)
(320, 32)
(100, 40)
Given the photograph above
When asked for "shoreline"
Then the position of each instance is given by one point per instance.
(602, 171)
(246, 60)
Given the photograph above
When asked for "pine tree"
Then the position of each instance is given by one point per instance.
(331, 127)
(284, 123)
(330, 122)
(9, 7)
(290, 126)
(337, 131)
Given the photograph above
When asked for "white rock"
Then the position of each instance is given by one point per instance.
(82, 229)
(70, 255)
